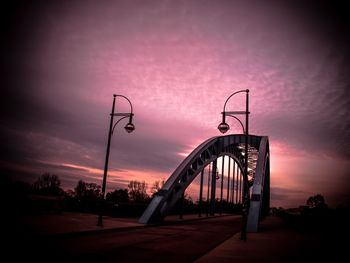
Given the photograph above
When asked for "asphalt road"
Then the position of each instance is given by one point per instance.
(181, 242)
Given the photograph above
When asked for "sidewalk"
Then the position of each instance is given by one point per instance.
(276, 242)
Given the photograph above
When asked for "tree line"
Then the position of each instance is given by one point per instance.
(316, 216)
(46, 194)
(136, 191)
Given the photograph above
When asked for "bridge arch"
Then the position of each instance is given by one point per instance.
(207, 152)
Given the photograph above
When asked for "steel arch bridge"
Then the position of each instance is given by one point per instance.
(206, 153)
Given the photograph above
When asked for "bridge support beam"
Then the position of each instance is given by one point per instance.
(208, 191)
(201, 195)
(228, 181)
(260, 201)
(213, 188)
(233, 183)
(222, 184)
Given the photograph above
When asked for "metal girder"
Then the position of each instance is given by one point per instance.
(193, 164)
(260, 199)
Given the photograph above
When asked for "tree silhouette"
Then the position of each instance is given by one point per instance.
(47, 184)
(137, 191)
(87, 190)
(157, 185)
(118, 196)
(316, 202)
(87, 196)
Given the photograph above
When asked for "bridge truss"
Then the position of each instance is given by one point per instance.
(206, 154)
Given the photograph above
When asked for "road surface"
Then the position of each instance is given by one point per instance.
(180, 242)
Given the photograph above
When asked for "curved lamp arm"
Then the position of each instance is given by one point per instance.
(244, 90)
(129, 126)
(118, 95)
(223, 126)
(240, 122)
(118, 122)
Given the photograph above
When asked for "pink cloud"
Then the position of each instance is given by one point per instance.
(177, 61)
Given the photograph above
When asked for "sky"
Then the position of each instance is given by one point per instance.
(177, 61)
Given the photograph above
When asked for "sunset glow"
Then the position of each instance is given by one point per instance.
(177, 61)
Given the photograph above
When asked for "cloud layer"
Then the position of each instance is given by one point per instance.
(177, 61)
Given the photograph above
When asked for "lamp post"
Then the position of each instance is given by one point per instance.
(223, 128)
(129, 127)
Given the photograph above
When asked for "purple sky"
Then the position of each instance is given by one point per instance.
(177, 61)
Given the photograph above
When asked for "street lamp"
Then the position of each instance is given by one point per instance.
(129, 127)
(223, 128)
